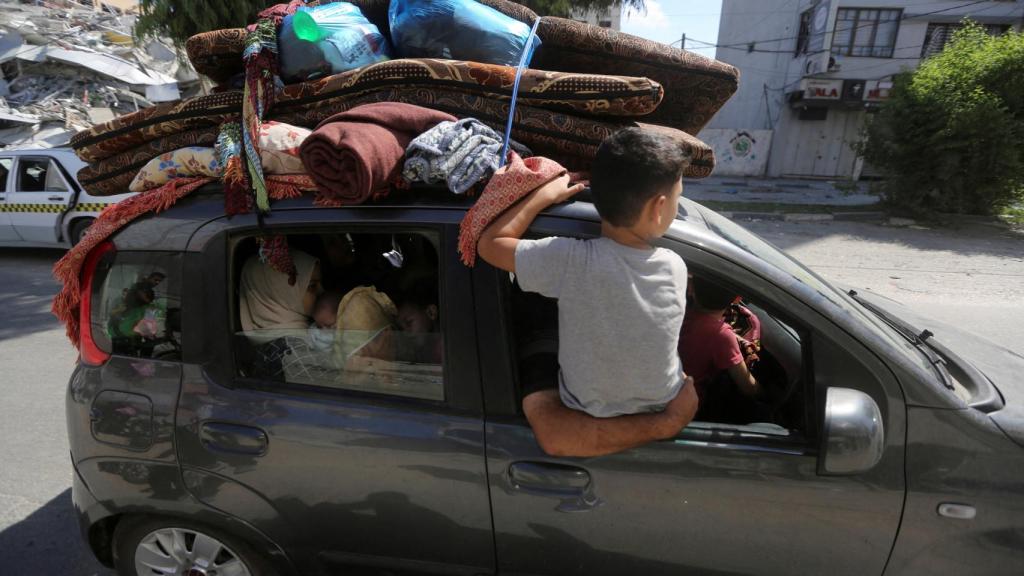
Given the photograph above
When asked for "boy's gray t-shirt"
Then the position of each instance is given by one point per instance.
(620, 311)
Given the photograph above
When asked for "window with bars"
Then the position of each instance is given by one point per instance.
(866, 32)
(938, 35)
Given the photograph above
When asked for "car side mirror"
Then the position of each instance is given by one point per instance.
(854, 433)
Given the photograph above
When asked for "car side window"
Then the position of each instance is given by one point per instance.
(740, 328)
(137, 310)
(362, 315)
(5, 170)
(39, 175)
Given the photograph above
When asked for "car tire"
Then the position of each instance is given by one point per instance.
(142, 542)
(78, 229)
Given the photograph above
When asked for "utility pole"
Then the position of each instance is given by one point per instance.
(683, 42)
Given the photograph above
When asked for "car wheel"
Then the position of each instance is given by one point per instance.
(78, 230)
(159, 546)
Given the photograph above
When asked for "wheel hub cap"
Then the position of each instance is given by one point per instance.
(185, 552)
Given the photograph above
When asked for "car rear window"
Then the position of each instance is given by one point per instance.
(136, 308)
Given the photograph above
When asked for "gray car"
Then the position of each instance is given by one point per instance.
(887, 444)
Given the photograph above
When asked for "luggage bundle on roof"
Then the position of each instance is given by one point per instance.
(583, 82)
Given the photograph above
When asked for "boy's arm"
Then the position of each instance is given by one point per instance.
(562, 431)
(498, 242)
(744, 380)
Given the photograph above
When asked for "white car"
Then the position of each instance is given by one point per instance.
(41, 203)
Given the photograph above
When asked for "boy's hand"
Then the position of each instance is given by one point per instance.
(558, 190)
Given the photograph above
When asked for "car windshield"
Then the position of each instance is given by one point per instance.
(751, 243)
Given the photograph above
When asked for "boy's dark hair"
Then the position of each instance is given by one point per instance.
(711, 296)
(631, 167)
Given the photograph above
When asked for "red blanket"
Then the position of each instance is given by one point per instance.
(355, 155)
(507, 187)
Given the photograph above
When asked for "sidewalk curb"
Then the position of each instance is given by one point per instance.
(805, 216)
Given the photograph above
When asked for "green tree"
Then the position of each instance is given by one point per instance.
(951, 136)
(181, 19)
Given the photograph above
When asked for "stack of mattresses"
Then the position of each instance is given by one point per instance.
(584, 83)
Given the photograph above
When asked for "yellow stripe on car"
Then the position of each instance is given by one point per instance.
(56, 208)
(92, 206)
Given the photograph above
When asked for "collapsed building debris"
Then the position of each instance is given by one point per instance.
(67, 65)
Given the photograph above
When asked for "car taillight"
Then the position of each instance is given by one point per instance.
(91, 354)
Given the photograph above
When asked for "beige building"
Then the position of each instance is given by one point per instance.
(608, 18)
(122, 5)
(812, 71)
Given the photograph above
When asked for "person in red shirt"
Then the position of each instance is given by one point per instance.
(708, 346)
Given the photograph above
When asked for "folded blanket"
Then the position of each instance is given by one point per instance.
(460, 153)
(356, 155)
(190, 162)
(506, 188)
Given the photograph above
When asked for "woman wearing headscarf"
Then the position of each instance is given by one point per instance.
(275, 316)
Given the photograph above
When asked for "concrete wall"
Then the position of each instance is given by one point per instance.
(739, 152)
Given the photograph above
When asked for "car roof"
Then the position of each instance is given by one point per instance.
(173, 229)
(61, 151)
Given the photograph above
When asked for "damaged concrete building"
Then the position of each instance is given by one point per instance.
(66, 65)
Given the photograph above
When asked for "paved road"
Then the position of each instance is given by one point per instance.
(973, 277)
(38, 532)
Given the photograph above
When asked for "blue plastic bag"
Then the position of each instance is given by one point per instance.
(459, 30)
(328, 39)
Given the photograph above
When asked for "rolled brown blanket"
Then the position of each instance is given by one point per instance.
(354, 156)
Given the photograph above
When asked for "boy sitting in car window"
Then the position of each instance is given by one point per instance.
(621, 300)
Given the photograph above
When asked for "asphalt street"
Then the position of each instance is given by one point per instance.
(972, 277)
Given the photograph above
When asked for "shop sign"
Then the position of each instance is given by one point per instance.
(817, 89)
(877, 90)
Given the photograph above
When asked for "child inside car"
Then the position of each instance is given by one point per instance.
(325, 318)
(621, 301)
(709, 346)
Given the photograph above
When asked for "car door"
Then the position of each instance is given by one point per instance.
(40, 196)
(717, 499)
(385, 474)
(7, 233)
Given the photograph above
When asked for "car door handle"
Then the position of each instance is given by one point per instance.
(550, 477)
(571, 485)
(233, 438)
(56, 198)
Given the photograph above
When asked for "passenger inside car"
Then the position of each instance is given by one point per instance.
(708, 345)
(126, 318)
(275, 316)
(419, 316)
(353, 334)
(325, 319)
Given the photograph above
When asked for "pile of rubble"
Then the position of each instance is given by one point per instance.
(66, 65)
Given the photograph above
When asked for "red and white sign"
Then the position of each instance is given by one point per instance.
(818, 89)
(877, 90)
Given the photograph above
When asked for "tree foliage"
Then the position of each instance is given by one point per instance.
(951, 136)
(181, 19)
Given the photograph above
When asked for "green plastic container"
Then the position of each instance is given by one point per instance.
(306, 27)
